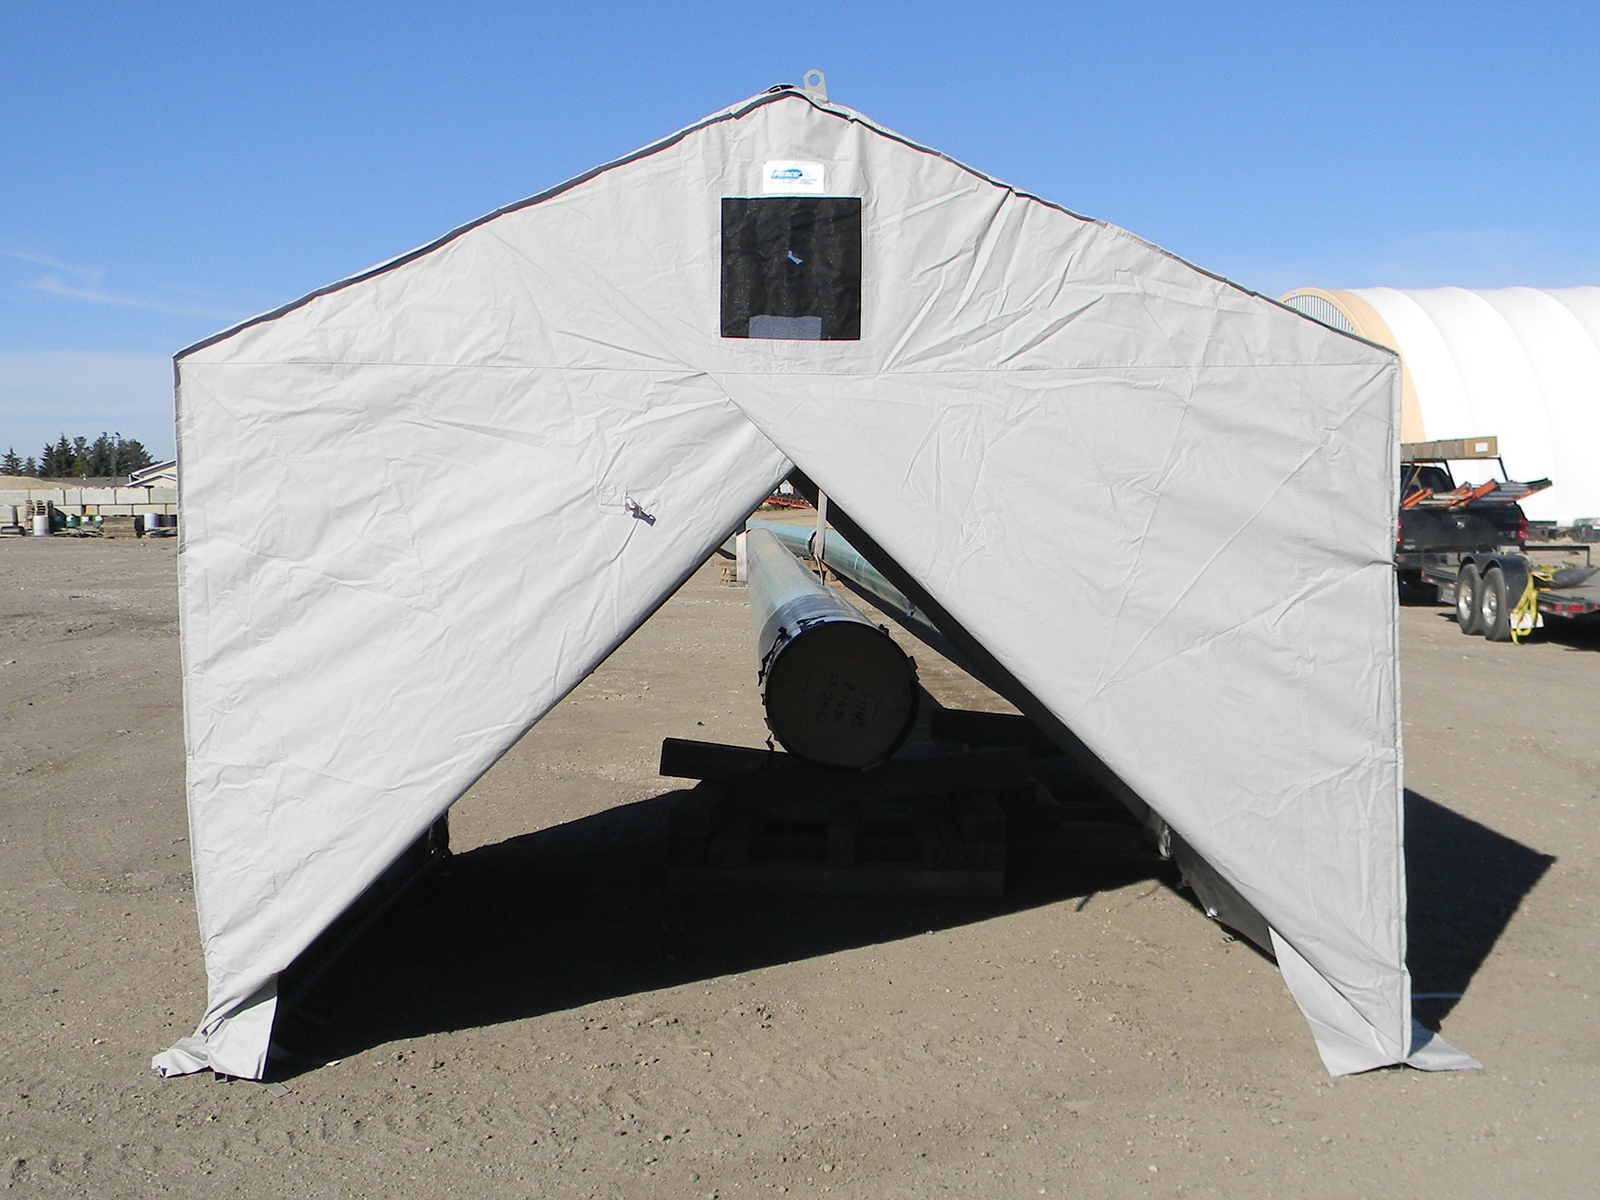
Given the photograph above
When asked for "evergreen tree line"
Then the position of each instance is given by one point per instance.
(107, 456)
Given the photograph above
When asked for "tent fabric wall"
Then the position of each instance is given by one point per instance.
(1519, 363)
(1163, 503)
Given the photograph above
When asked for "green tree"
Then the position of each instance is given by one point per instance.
(10, 464)
(108, 455)
(96, 456)
(30, 467)
(101, 459)
(56, 461)
(131, 456)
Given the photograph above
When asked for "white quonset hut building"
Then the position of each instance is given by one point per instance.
(1521, 364)
(1158, 509)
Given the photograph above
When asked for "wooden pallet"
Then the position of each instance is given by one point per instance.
(759, 822)
(945, 846)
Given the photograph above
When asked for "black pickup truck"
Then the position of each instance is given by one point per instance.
(1439, 519)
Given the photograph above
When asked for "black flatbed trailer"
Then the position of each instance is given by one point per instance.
(1506, 596)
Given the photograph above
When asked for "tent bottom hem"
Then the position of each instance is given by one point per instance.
(234, 1043)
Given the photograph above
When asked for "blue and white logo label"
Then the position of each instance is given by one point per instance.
(785, 178)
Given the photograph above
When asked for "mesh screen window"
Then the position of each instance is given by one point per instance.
(791, 268)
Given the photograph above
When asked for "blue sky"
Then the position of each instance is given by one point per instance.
(166, 169)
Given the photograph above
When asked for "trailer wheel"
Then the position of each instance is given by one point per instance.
(1468, 585)
(1494, 606)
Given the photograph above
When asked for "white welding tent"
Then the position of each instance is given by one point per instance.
(422, 504)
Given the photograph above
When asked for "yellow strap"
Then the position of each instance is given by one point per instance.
(1527, 610)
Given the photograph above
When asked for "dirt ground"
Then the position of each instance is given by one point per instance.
(542, 1018)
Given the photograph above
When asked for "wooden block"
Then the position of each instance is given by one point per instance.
(982, 818)
(682, 758)
(792, 829)
(801, 880)
(988, 729)
(686, 852)
(780, 775)
(1067, 781)
(1106, 837)
(938, 840)
(729, 846)
(844, 832)
(697, 813)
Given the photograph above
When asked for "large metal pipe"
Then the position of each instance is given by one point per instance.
(840, 557)
(837, 689)
(866, 581)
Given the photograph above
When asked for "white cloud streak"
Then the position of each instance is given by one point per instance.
(55, 264)
(56, 287)
(75, 282)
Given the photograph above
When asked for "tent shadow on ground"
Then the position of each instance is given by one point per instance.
(578, 913)
(1465, 883)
